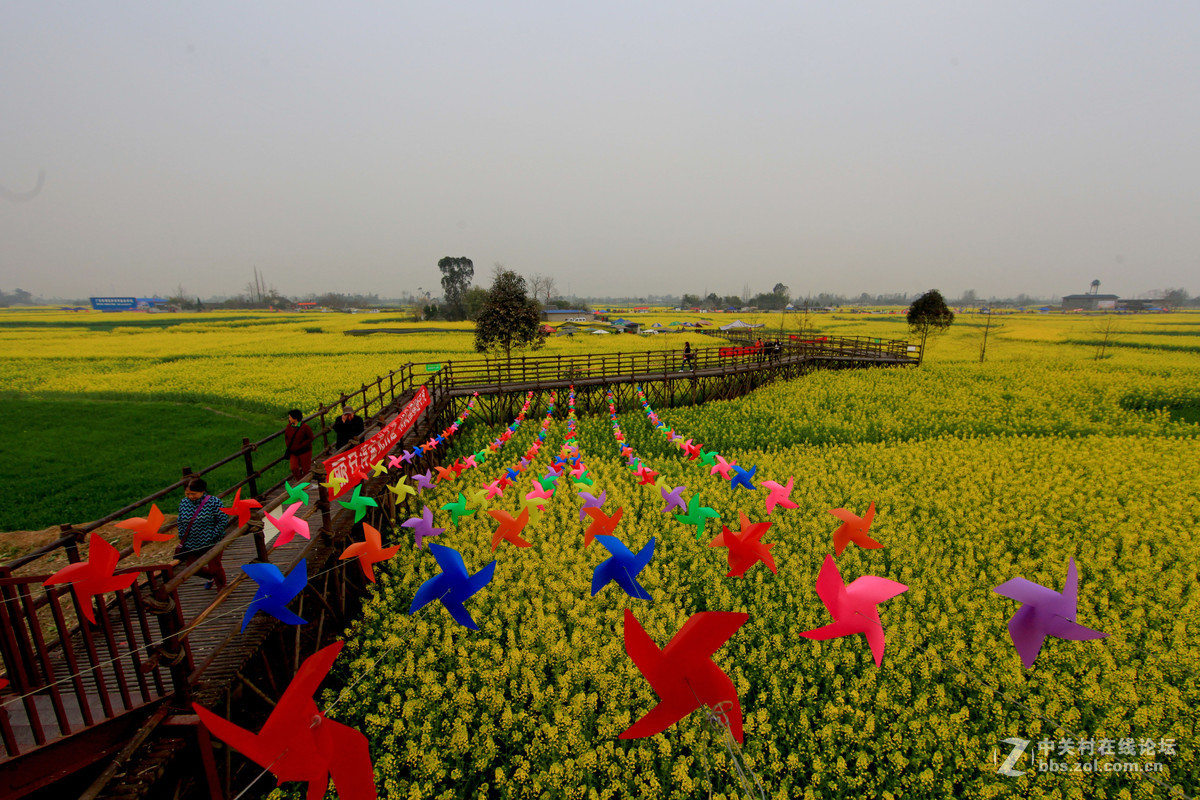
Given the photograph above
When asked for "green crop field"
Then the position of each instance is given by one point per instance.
(979, 473)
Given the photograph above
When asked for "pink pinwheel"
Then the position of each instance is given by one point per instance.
(469, 461)
(289, 525)
(494, 489)
(422, 527)
(1045, 613)
(395, 461)
(722, 467)
(692, 450)
(539, 494)
(779, 494)
(673, 498)
(853, 607)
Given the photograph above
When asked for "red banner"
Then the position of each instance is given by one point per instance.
(350, 465)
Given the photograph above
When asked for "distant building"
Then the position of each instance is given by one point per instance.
(1090, 302)
(568, 315)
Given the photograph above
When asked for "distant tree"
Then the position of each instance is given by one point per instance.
(732, 301)
(510, 319)
(1174, 298)
(969, 298)
(780, 290)
(18, 297)
(929, 314)
(772, 301)
(1107, 328)
(542, 288)
(713, 300)
(474, 299)
(690, 301)
(456, 279)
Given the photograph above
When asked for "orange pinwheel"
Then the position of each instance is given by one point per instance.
(602, 525)
(369, 552)
(853, 529)
(510, 527)
(145, 529)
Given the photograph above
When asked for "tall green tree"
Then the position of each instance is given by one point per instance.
(510, 319)
(456, 280)
(929, 314)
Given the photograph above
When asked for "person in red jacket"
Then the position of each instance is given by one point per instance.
(298, 439)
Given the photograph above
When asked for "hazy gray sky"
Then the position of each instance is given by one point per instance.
(622, 148)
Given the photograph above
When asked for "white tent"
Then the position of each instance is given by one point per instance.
(599, 333)
(737, 323)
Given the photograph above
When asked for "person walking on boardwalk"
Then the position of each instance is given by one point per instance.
(347, 426)
(689, 358)
(202, 526)
(298, 439)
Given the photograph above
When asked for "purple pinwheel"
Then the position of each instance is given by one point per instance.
(674, 499)
(424, 480)
(422, 527)
(1045, 613)
(591, 501)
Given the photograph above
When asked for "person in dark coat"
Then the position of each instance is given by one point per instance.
(298, 441)
(347, 426)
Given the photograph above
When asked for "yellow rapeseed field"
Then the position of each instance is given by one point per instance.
(979, 473)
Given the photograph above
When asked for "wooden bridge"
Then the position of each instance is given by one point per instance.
(103, 711)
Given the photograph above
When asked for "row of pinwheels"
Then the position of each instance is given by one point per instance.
(682, 673)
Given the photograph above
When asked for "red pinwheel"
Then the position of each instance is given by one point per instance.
(299, 743)
(94, 576)
(241, 508)
(683, 674)
(746, 547)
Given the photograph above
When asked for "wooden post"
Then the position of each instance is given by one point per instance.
(251, 480)
(321, 478)
(72, 547)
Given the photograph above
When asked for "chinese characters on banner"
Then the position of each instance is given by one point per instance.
(352, 464)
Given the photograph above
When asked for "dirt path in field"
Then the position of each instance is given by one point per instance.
(17, 543)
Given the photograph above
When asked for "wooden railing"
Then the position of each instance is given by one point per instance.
(67, 676)
(500, 374)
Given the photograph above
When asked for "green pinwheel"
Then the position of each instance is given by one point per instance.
(697, 514)
(359, 504)
(296, 494)
(458, 509)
